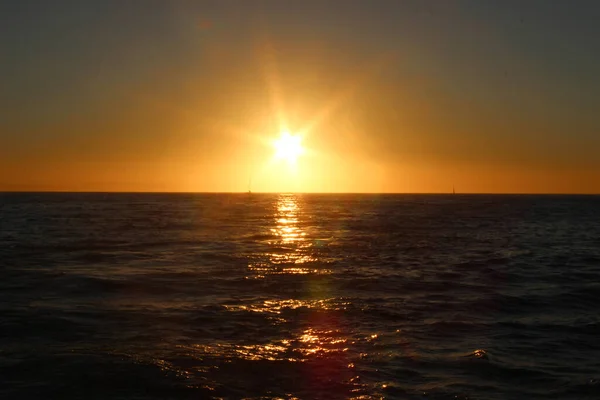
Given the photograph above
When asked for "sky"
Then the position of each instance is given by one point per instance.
(386, 96)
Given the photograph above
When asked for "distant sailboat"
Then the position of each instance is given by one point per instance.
(453, 191)
(249, 186)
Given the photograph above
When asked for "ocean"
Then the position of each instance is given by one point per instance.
(299, 296)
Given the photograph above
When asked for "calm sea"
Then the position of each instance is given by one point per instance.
(202, 296)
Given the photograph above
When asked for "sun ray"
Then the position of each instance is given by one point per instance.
(267, 53)
(350, 89)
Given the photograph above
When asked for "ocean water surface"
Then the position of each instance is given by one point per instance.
(290, 296)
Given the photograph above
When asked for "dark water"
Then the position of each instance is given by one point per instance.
(145, 296)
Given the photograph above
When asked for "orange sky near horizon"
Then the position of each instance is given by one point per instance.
(376, 114)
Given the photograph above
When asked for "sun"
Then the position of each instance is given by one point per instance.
(288, 147)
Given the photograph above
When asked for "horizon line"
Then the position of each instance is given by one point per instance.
(318, 193)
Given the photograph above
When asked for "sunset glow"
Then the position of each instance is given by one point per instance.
(201, 99)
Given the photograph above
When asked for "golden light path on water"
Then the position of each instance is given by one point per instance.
(290, 249)
(313, 332)
(292, 255)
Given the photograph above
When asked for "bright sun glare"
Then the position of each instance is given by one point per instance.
(288, 147)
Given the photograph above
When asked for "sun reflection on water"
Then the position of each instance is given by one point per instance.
(312, 344)
(322, 338)
(291, 254)
(286, 216)
(289, 251)
(278, 306)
